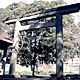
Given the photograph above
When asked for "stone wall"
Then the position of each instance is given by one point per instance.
(71, 66)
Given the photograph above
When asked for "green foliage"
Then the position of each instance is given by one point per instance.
(42, 44)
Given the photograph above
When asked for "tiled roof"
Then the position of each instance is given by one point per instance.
(6, 39)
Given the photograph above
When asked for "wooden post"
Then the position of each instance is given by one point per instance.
(59, 47)
(4, 60)
(15, 47)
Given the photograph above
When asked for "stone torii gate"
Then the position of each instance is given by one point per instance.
(58, 13)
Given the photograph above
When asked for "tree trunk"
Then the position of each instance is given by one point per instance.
(37, 63)
(33, 70)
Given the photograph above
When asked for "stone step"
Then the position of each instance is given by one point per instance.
(22, 77)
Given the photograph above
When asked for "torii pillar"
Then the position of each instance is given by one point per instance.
(15, 47)
(59, 47)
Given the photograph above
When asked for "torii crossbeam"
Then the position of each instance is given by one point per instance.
(47, 13)
(58, 12)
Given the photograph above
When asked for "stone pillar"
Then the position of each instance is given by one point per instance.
(15, 48)
(59, 47)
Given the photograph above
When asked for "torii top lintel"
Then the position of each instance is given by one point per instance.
(48, 13)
